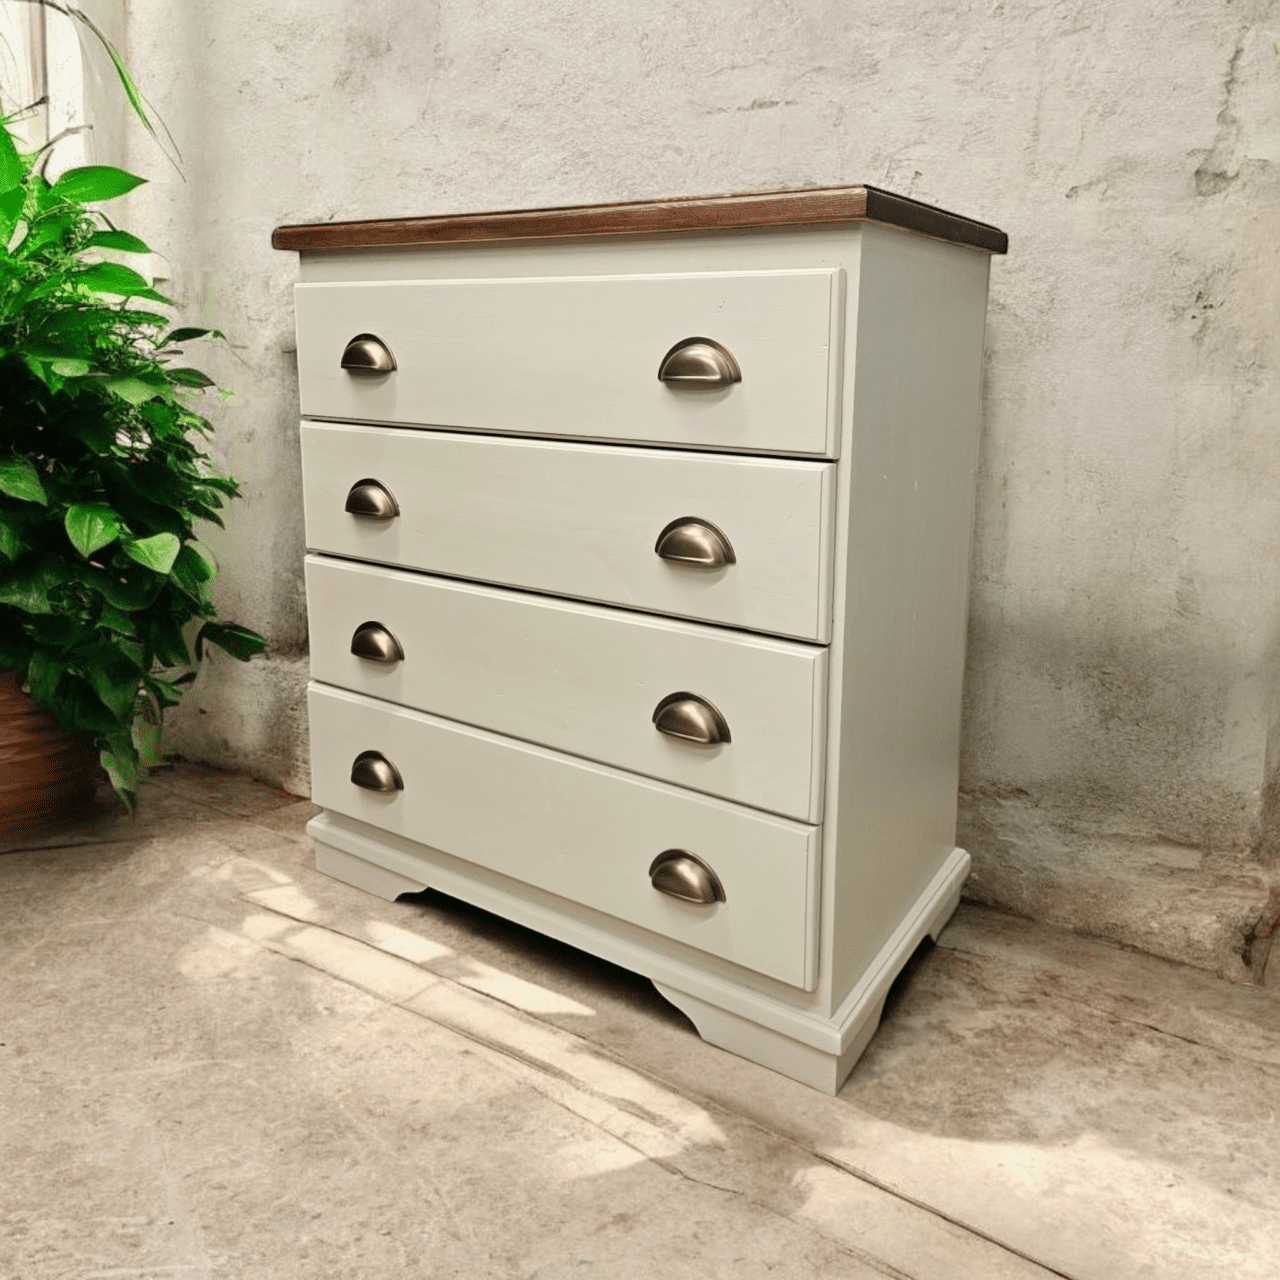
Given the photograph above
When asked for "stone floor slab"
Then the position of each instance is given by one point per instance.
(218, 1062)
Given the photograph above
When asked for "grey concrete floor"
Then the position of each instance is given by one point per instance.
(217, 1062)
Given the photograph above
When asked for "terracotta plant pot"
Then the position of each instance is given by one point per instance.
(48, 776)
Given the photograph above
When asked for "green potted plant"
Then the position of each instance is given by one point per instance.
(105, 605)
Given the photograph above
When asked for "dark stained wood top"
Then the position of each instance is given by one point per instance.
(694, 213)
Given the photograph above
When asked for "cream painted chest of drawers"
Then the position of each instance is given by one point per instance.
(637, 583)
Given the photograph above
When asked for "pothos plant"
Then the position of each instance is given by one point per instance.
(104, 587)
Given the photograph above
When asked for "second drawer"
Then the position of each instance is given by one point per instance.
(581, 678)
(583, 520)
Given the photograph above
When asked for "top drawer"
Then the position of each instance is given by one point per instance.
(580, 356)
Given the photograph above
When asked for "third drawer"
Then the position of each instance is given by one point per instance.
(580, 678)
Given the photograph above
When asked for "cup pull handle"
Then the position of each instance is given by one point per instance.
(367, 356)
(374, 772)
(699, 363)
(690, 540)
(372, 500)
(377, 643)
(691, 717)
(681, 874)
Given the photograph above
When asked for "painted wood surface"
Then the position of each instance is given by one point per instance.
(849, 205)
(905, 516)
(580, 830)
(582, 520)
(580, 357)
(581, 678)
(777, 1028)
(903, 385)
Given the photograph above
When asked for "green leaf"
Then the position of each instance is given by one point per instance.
(19, 479)
(117, 687)
(189, 377)
(222, 483)
(91, 526)
(39, 370)
(117, 621)
(44, 674)
(165, 690)
(121, 766)
(95, 182)
(238, 641)
(78, 707)
(130, 591)
(59, 631)
(70, 366)
(157, 552)
(120, 241)
(115, 278)
(132, 652)
(12, 170)
(168, 642)
(130, 89)
(192, 571)
(189, 335)
(208, 513)
(11, 203)
(28, 591)
(147, 319)
(46, 230)
(134, 390)
(197, 548)
(97, 431)
(11, 543)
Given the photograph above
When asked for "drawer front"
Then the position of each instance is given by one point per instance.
(577, 829)
(583, 520)
(580, 357)
(581, 679)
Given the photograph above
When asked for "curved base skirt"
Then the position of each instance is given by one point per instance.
(763, 1028)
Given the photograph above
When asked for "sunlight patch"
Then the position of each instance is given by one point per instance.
(288, 899)
(400, 942)
(518, 991)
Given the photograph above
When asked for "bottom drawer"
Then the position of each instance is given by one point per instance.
(584, 831)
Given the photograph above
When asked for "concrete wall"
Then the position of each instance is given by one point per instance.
(1125, 640)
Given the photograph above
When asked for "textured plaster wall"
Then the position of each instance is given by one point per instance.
(1121, 727)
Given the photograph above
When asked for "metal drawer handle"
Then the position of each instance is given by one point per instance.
(691, 717)
(372, 500)
(377, 643)
(367, 356)
(699, 362)
(374, 772)
(689, 540)
(681, 874)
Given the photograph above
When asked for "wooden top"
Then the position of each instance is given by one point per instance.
(693, 213)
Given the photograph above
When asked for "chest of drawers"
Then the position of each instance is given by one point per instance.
(637, 584)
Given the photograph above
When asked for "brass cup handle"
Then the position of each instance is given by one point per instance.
(372, 500)
(367, 356)
(691, 717)
(377, 643)
(690, 540)
(699, 363)
(374, 772)
(681, 874)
